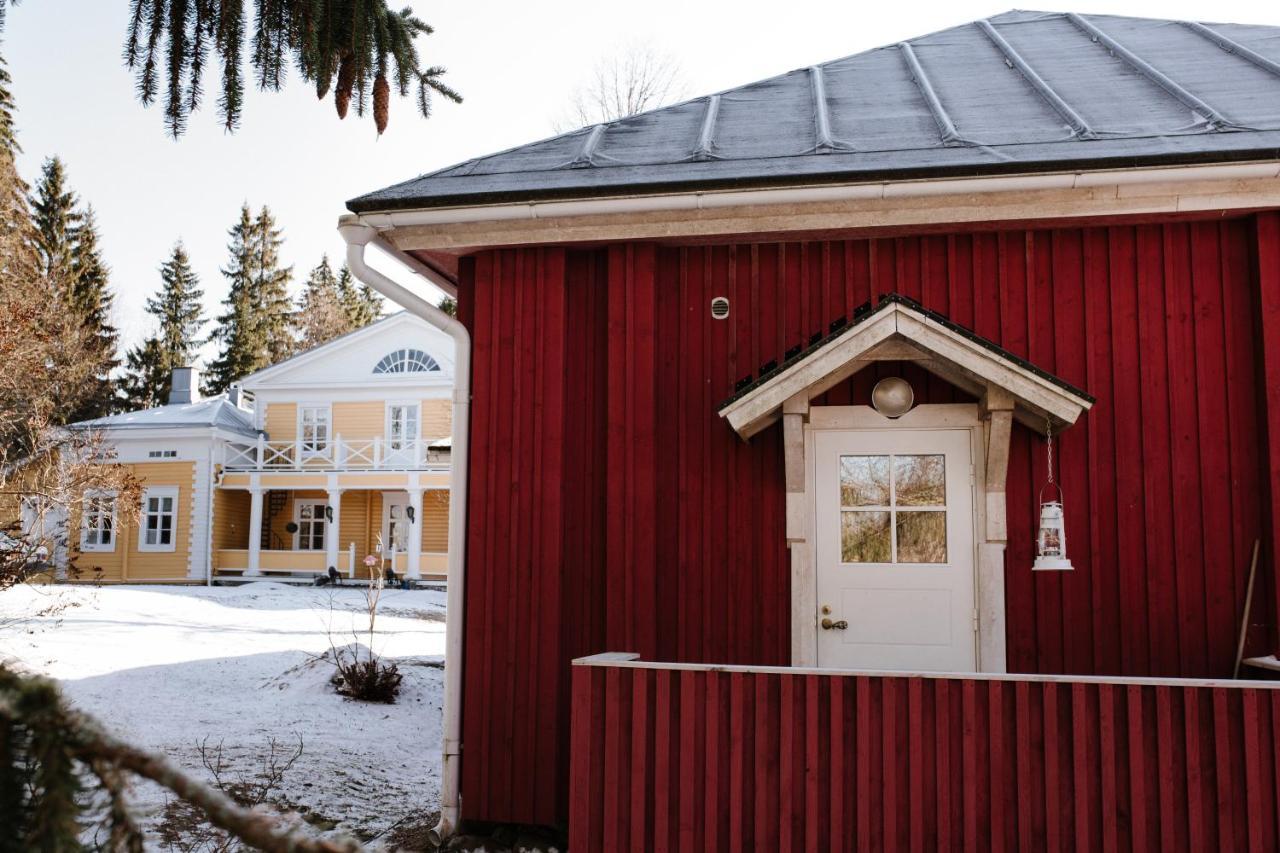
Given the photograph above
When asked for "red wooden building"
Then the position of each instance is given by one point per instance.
(827, 625)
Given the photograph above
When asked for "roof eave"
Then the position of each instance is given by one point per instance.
(377, 203)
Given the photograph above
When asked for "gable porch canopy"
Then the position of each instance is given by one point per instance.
(900, 329)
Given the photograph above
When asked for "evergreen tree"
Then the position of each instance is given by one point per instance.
(56, 222)
(177, 306)
(243, 349)
(90, 301)
(17, 243)
(256, 329)
(362, 303)
(66, 241)
(272, 289)
(322, 316)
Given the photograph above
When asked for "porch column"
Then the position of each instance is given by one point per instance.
(333, 529)
(255, 531)
(997, 416)
(413, 549)
(804, 606)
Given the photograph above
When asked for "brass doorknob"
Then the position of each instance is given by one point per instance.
(827, 624)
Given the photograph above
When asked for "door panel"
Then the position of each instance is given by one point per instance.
(894, 549)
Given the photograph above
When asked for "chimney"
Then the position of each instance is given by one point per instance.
(185, 385)
(233, 396)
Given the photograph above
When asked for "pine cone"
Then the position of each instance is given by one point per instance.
(346, 80)
(381, 102)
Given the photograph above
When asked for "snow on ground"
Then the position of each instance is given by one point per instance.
(166, 667)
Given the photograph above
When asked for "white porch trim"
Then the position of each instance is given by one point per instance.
(898, 330)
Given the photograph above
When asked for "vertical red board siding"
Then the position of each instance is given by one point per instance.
(1208, 777)
(611, 508)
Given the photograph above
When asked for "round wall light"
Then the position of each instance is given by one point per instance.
(892, 397)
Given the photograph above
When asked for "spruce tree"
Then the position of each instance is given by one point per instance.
(17, 243)
(272, 289)
(90, 301)
(177, 307)
(243, 348)
(321, 316)
(56, 220)
(362, 303)
(66, 241)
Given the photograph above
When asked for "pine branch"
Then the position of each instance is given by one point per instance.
(363, 43)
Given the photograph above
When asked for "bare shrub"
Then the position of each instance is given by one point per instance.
(185, 827)
(366, 678)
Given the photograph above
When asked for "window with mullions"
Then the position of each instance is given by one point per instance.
(313, 429)
(159, 520)
(98, 523)
(311, 524)
(893, 508)
(407, 361)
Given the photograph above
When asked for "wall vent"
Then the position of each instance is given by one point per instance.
(720, 308)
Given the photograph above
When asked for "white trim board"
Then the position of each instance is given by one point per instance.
(896, 331)
(988, 551)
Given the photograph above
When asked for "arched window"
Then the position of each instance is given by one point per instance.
(407, 361)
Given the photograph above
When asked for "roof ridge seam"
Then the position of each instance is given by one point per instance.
(1189, 99)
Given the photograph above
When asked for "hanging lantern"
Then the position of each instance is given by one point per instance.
(1051, 541)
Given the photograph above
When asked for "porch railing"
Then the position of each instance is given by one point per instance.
(237, 560)
(337, 454)
(681, 756)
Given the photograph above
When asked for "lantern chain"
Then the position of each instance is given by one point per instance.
(1048, 431)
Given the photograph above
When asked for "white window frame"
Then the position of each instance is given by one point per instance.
(158, 492)
(408, 440)
(323, 518)
(85, 545)
(320, 451)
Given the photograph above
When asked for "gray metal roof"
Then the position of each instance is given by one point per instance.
(214, 412)
(1019, 92)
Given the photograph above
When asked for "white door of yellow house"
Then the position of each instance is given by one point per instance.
(895, 563)
(395, 523)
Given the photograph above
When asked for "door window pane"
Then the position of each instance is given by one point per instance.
(901, 515)
(922, 537)
(920, 480)
(864, 480)
(311, 525)
(864, 537)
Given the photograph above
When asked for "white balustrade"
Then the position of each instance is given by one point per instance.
(339, 454)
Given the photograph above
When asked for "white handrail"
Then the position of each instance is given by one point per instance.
(339, 454)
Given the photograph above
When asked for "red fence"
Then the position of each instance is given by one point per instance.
(689, 757)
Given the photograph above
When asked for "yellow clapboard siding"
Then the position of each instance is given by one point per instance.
(437, 417)
(435, 521)
(126, 562)
(360, 421)
(281, 421)
(230, 518)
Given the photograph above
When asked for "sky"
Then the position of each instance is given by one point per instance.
(517, 65)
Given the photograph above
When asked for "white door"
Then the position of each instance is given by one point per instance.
(395, 524)
(895, 564)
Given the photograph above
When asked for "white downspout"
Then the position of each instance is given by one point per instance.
(357, 236)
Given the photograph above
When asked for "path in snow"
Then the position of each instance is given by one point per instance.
(167, 666)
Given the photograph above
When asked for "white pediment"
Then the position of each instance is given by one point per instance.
(352, 360)
(901, 330)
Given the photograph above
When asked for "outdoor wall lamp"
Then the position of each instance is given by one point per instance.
(892, 397)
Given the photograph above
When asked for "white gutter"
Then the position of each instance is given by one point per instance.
(357, 237)
(799, 195)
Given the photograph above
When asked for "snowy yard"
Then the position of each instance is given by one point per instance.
(167, 667)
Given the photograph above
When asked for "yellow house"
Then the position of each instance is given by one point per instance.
(335, 455)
